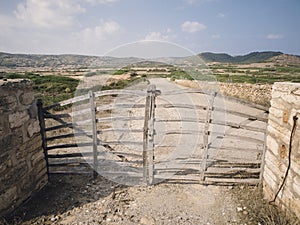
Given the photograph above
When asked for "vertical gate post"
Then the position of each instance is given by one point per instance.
(206, 134)
(43, 131)
(94, 133)
(148, 136)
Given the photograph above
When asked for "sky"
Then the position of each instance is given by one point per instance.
(95, 27)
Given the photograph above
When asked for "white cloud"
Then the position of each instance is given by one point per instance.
(274, 36)
(192, 26)
(221, 15)
(216, 36)
(100, 1)
(48, 14)
(100, 32)
(192, 2)
(156, 36)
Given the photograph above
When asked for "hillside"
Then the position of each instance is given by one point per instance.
(60, 61)
(285, 59)
(253, 57)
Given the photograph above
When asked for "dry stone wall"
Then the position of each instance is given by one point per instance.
(283, 147)
(22, 164)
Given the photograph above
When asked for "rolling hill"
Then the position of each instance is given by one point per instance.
(253, 57)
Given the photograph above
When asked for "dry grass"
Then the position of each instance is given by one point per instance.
(258, 211)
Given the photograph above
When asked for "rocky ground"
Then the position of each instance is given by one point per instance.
(75, 199)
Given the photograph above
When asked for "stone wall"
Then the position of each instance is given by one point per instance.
(283, 150)
(22, 164)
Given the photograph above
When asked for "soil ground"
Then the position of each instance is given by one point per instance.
(78, 199)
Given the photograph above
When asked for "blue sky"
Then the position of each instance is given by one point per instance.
(94, 27)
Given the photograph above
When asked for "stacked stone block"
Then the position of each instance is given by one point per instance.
(22, 164)
(283, 147)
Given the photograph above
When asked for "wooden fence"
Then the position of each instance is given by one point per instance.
(70, 148)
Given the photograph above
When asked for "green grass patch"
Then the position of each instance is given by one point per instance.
(51, 89)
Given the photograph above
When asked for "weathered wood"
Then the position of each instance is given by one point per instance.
(231, 181)
(119, 106)
(43, 131)
(181, 106)
(120, 92)
(241, 114)
(264, 149)
(70, 155)
(120, 130)
(148, 136)
(139, 143)
(227, 148)
(192, 120)
(119, 118)
(94, 132)
(68, 102)
(206, 136)
(72, 145)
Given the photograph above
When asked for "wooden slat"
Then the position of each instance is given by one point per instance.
(182, 106)
(241, 114)
(68, 102)
(205, 134)
(119, 106)
(231, 148)
(120, 92)
(120, 130)
(94, 133)
(251, 181)
(69, 155)
(120, 118)
(120, 143)
(73, 145)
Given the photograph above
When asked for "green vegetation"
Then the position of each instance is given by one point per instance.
(267, 75)
(179, 74)
(50, 88)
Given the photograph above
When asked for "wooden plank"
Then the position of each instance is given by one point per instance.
(72, 145)
(148, 136)
(120, 92)
(120, 143)
(264, 149)
(241, 114)
(120, 130)
(182, 106)
(192, 120)
(119, 118)
(43, 131)
(227, 148)
(238, 126)
(119, 106)
(251, 181)
(94, 133)
(205, 135)
(227, 134)
(187, 91)
(70, 155)
(68, 102)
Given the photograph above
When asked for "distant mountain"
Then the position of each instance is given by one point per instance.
(253, 57)
(61, 61)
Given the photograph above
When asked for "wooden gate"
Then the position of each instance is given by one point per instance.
(103, 133)
(231, 139)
